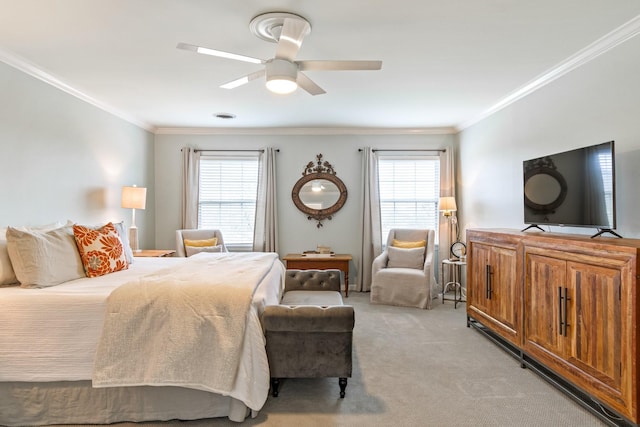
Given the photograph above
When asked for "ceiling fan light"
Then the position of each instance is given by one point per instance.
(281, 85)
(281, 76)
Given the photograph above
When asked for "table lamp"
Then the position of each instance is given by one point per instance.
(134, 198)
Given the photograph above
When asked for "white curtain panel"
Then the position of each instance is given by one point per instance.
(265, 234)
(371, 224)
(190, 185)
(447, 188)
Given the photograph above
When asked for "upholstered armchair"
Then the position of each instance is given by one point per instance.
(403, 274)
(192, 241)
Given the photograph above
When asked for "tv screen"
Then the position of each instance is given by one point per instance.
(573, 188)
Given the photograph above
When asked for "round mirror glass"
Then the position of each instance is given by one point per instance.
(319, 194)
(542, 189)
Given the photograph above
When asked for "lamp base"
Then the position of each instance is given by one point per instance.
(133, 239)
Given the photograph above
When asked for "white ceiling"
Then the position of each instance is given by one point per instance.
(445, 63)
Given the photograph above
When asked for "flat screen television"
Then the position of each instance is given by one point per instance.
(573, 188)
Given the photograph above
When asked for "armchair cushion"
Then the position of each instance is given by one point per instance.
(201, 242)
(405, 244)
(198, 238)
(192, 250)
(405, 258)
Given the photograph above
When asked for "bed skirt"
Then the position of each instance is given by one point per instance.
(76, 402)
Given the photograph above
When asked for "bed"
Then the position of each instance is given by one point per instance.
(49, 339)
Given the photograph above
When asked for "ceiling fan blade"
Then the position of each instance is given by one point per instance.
(293, 32)
(338, 65)
(243, 80)
(309, 85)
(219, 53)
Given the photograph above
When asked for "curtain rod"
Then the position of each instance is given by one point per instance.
(212, 151)
(439, 150)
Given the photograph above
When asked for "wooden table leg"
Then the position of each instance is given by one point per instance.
(346, 283)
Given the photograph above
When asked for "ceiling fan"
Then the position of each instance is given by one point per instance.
(283, 73)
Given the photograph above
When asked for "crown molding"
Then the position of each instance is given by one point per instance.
(306, 131)
(609, 41)
(612, 39)
(26, 67)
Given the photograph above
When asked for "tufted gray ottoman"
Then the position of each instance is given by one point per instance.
(310, 334)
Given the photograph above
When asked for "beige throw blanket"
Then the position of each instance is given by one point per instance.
(182, 326)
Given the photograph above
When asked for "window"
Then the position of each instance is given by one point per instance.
(227, 197)
(605, 161)
(409, 192)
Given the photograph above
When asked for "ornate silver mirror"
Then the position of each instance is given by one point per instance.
(319, 193)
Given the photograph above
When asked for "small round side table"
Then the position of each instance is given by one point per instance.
(454, 267)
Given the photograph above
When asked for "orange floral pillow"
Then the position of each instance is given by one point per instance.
(100, 249)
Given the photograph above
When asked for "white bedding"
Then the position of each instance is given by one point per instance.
(51, 334)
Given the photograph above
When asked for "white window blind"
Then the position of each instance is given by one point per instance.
(605, 161)
(409, 189)
(227, 197)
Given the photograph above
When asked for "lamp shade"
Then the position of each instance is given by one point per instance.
(448, 204)
(134, 197)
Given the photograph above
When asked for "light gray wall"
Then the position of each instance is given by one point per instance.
(64, 159)
(595, 103)
(296, 233)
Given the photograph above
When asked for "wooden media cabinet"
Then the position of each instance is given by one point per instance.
(566, 306)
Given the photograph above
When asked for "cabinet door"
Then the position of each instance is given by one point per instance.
(504, 287)
(477, 285)
(493, 293)
(594, 344)
(575, 323)
(544, 285)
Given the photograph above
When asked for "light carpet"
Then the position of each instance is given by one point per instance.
(414, 367)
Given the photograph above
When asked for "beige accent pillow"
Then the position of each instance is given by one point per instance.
(42, 259)
(201, 243)
(405, 257)
(409, 245)
(192, 250)
(100, 249)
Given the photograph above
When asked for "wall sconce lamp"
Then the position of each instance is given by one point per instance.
(134, 198)
(448, 206)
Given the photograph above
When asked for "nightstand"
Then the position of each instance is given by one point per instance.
(154, 253)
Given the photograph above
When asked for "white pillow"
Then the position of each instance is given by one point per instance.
(192, 250)
(7, 275)
(42, 259)
(45, 227)
(405, 258)
(124, 236)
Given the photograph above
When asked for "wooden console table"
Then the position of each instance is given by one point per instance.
(337, 261)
